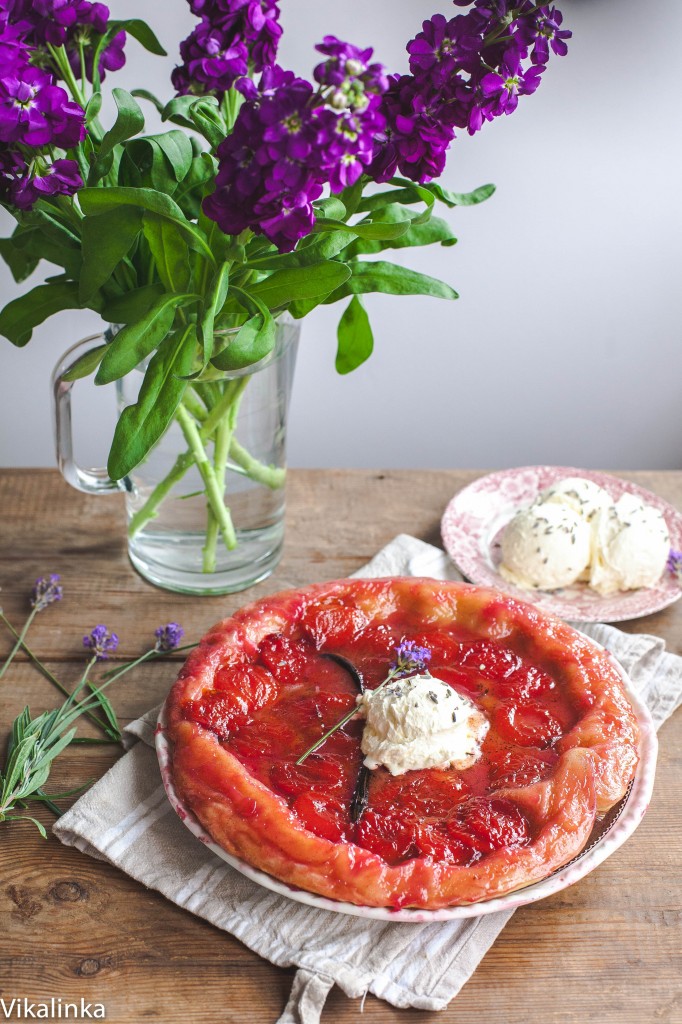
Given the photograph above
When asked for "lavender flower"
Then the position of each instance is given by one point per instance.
(46, 590)
(674, 564)
(101, 642)
(410, 658)
(168, 637)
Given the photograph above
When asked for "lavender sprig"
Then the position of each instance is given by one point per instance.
(674, 564)
(168, 639)
(34, 744)
(45, 592)
(409, 660)
(101, 642)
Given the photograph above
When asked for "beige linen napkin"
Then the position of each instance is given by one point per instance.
(126, 819)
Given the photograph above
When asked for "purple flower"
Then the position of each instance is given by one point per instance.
(112, 57)
(501, 91)
(45, 592)
(37, 113)
(213, 61)
(268, 174)
(168, 637)
(410, 658)
(233, 36)
(674, 564)
(61, 178)
(348, 71)
(101, 642)
(542, 30)
(417, 133)
(13, 171)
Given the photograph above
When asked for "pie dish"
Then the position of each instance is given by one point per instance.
(562, 748)
(475, 518)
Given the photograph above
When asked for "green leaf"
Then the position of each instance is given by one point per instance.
(106, 239)
(145, 94)
(205, 116)
(331, 207)
(129, 121)
(131, 307)
(20, 316)
(169, 251)
(134, 343)
(27, 817)
(479, 195)
(411, 194)
(190, 191)
(93, 107)
(253, 342)
(433, 231)
(300, 283)
(139, 30)
(21, 262)
(214, 303)
(317, 249)
(140, 426)
(367, 229)
(167, 158)
(391, 279)
(96, 200)
(177, 111)
(114, 730)
(86, 364)
(355, 338)
(45, 236)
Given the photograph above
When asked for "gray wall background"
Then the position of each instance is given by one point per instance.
(564, 346)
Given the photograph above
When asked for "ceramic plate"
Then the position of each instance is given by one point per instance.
(475, 518)
(608, 834)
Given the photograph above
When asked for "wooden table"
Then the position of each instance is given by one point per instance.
(606, 950)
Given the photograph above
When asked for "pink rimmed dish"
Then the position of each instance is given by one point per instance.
(474, 520)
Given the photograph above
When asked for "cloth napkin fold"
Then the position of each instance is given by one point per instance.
(126, 819)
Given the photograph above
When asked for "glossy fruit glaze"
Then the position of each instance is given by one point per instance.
(269, 711)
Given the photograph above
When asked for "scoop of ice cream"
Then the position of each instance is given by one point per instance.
(582, 495)
(632, 547)
(545, 547)
(420, 722)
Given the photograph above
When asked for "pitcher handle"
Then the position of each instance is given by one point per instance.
(91, 481)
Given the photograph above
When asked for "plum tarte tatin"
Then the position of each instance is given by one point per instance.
(261, 688)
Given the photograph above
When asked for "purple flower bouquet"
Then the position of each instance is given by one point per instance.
(268, 195)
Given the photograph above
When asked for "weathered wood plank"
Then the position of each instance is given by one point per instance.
(607, 950)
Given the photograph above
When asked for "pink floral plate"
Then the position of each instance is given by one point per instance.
(608, 834)
(473, 522)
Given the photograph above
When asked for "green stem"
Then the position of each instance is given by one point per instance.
(272, 476)
(20, 639)
(113, 676)
(215, 497)
(224, 433)
(44, 799)
(346, 718)
(46, 672)
(149, 654)
(194, 405)
(62, 62)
